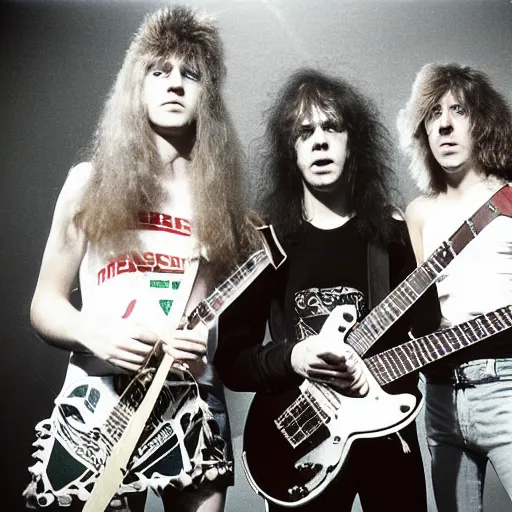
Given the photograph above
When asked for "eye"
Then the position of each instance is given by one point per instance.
(157, 72)
(191, 75)
(305, 133)
(459, 109)
(435, 112)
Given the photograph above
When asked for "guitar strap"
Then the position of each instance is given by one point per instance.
(378, 273)
(363, 337)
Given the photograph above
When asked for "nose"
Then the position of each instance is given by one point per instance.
(175, 80)
(319, 140)
(445, 122)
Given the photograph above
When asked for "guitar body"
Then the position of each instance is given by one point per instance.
(297, 441)
(74, 444)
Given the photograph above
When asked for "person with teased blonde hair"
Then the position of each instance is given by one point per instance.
(164, 177)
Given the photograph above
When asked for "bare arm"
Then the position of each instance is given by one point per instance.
(120, 342)
(414, 220)
(51, 313)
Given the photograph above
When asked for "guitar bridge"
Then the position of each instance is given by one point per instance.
(301, 419)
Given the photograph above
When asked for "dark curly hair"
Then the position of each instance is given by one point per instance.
(366, 173)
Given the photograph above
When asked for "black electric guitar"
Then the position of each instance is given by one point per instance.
(310, 429)
(91, 415)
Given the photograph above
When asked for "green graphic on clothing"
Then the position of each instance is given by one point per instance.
(158, 283)
(166, 305)
(176, 285)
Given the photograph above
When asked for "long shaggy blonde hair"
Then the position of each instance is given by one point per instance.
(490, 115)
(126, 165)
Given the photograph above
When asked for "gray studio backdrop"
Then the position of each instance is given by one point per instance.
(57, 61)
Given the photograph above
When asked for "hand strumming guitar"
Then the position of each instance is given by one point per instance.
(320, 359)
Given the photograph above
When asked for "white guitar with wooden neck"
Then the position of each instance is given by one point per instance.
(92, 444)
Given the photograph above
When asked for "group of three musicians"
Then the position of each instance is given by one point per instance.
(165, 177)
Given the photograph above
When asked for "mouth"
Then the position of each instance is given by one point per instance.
(322, 162)
(448, 145)
(173, 104)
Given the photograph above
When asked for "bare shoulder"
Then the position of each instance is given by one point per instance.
(74, 186)
(77, 179)
(417, 210)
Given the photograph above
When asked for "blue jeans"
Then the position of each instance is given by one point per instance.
(468, 424)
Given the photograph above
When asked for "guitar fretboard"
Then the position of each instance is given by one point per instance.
(211, 307)
(413, 355)
(206, 311)
(380, 319)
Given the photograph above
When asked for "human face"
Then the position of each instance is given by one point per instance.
(321, 152)
(171, 95)
(448, 130)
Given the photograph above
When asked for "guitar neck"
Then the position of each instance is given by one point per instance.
(206, 311)
(211, 307)
(396, 362)
(387, 312)
(380, 319)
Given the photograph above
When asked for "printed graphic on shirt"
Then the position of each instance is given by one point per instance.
(165, 304)
(155, 221)
(313, 305)
(145, 262)
(149, 261)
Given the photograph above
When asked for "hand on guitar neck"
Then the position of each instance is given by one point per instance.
(322, 358)
(188, 348)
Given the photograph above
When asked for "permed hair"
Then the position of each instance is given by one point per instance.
(366, 174)
(489, 113)
(126, 164)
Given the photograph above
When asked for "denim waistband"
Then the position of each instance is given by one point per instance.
(474, 372)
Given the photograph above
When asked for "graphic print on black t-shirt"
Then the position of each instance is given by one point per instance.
(313, 306)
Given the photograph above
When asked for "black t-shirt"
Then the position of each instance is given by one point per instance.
(324, 268)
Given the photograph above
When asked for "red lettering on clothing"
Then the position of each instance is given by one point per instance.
(155, 221)
(129, 309)
(125, 265)
(137, 262)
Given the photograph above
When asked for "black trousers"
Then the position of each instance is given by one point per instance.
(384, 476)
(173, 499)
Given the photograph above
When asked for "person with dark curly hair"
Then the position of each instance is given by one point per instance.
(457, 131)
(327, 170)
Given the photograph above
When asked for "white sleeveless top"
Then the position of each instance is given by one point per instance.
(142, 285)
(479, 279)
(139, 285)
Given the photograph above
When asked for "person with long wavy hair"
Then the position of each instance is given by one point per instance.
(328, 195)
(163, 183)
(456, 130)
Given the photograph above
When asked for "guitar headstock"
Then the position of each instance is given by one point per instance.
(502, 200)
(273, 248)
